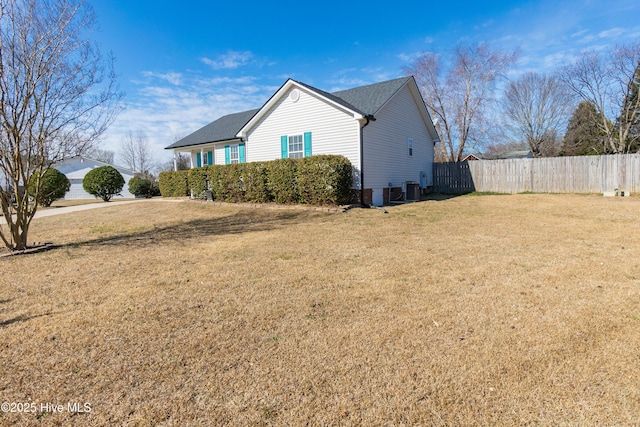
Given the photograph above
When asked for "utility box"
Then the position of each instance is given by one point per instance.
(413, 190)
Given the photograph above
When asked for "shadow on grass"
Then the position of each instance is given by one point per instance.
(244, 221)
(21, 318)
(439, 197)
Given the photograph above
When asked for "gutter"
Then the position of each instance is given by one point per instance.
(369, 119)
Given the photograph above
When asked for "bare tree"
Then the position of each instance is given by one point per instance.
(458, 90)
(605, 80)
(535, 109)
(57, 95)
(136, 152)
(181, 161)
(104, 156)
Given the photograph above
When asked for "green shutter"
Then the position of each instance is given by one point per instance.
(307, 144)
(241, 155)
(209, 158)
(284, 146)
(198, 159)
(227, 155)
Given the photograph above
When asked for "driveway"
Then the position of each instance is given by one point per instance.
(78, 208)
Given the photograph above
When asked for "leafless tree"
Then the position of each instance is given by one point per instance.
(136, 152)
(535, 109)
(104, 156)
(604, 79)
(458, 90)
(57, 95)
(182, 162)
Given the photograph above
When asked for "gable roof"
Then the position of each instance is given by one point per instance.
(363, 101)
(366, 100)
(223, 129)
(371, 98)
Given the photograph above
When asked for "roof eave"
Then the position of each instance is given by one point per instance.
(232, 140)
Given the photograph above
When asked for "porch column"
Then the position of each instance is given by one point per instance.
(175, 161)
(202, 159)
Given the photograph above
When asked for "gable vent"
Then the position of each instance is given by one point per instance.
(294, 95)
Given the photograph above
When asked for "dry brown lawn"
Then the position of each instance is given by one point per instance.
(492, 310)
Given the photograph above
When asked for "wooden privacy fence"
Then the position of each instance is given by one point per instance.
(584, 174)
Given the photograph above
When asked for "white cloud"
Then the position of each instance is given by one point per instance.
(166, 111)
(170, 77)
(229, 60)
(611, 33)
(408, 57)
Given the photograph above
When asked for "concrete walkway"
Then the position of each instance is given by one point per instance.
(78, 208)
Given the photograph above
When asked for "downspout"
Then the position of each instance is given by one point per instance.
(369, 119)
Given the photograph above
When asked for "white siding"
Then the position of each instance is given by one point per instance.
(386, 151)
(334, 131)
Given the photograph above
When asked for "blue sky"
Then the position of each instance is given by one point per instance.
(183, 65)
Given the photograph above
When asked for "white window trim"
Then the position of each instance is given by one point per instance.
(299, 140)
(234, 149)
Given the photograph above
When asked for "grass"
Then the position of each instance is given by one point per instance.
(520, 310)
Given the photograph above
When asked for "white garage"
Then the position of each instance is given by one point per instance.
(75, 168)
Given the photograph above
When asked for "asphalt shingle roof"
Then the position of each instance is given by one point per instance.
(223, 129)
(366, 100)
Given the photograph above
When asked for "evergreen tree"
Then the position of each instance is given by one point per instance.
(584, 136)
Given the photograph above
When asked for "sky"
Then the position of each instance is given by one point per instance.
(184, 64)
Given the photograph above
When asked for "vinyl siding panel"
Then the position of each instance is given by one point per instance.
(386, 151)
(334, 131)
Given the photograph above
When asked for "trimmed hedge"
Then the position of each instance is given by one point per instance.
(317, 180)
(324, 180)
(282, 181)
(174, 184)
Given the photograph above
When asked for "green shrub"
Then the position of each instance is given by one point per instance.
(214, 175)
(174, 184)
(53, 185)
(254, 176)
(233, 188)
(325, 180)
(103, 182)
(282, 182)
(318, 180)
(144, 185)
(198, 182)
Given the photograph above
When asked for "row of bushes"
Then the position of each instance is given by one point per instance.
(315, 180)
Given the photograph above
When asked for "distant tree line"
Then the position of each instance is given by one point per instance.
(590, 106)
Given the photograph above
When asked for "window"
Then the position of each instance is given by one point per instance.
(296, 147)
(410, 147)
(234, 154)
(207, 158)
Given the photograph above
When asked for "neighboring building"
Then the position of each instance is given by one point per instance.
(523, 154)
(384, 129)
(472, 156)
(75, 169)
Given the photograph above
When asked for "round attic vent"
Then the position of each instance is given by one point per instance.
(294, 95)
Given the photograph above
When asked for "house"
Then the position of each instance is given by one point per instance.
(522, 154)
(384, 129)
(472, 156)
(75, 168)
